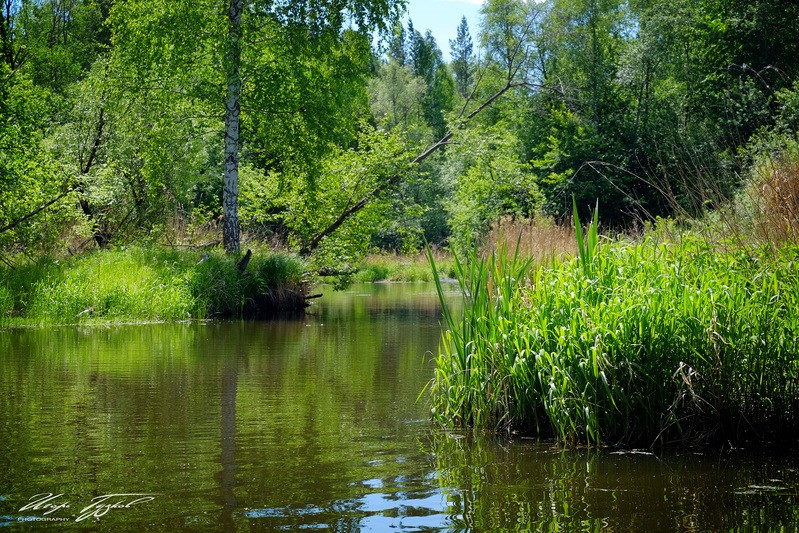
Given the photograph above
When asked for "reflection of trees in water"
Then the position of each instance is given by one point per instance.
(495, 484)
(403, 301)
(227, 457)
(294, 416)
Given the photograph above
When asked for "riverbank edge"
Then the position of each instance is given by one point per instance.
(139, 284)
(402, 268)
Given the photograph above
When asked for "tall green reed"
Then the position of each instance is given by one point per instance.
(635, 343)
(475, 374)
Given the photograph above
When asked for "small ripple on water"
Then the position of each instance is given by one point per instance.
(760, 489)
(375, 483)
(376, 511)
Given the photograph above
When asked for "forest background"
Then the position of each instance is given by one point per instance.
(302, 123)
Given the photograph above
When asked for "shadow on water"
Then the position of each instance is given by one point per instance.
(314, 423)
(227, 458)
(499, 484)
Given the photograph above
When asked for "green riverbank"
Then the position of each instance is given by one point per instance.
(655, 342)
(402, 268)
(149, 284)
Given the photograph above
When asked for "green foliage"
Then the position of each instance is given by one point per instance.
(6, 304)
(145, 284)
(440, 100)
(272, 282)
(586, 245)
(302, 72)
(788, 100)
(463, 61)
(305, 206)
(566, 143)
(506, 36)
(489, 181)
(471, 387)
(396, 97)
(29, 177)
(425, 62)
(644, 106)
(60, 39)
(407, 268)
(633, 343)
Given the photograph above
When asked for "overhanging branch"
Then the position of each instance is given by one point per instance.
(13, 224)
(314, 243)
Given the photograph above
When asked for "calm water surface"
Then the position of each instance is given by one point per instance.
(315, 424)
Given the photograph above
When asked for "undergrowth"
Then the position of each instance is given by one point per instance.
(143, 284)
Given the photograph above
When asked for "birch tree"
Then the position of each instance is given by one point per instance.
(242, 57)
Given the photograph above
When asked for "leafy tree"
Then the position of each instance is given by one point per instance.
(506, 34)
(396, 98)
(61, 39)
(440, 100)
(30, 182)
(423, 55)
(489, 181)
(259, 52)
(396, 45)
(426, 62)
(346, 176)
(44, 47)
(12, 53)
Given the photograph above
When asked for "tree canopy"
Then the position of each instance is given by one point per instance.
(302, 122)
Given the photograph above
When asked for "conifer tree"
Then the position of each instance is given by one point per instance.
(462, 58)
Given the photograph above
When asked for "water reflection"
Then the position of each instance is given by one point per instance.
(314, 423)
(499, 484)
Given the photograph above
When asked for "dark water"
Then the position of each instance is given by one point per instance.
(314, 424)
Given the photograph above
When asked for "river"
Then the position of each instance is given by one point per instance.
(318, 423)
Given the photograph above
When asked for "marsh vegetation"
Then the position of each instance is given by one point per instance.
(680, 335)
(322, 133)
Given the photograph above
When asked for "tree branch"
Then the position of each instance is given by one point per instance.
(36, 211)
(377, 191)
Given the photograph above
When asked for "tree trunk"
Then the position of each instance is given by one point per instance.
(230, 196)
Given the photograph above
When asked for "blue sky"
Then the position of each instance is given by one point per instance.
(442, 18)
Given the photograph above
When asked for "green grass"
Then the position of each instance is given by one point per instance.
(401, 268)
(634, 343)
(148, 284)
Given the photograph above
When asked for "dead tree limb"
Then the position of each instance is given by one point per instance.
(242, 266)
(382, 187)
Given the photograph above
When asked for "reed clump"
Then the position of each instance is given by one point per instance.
(775, 198)
(652, 342)
(150, 284)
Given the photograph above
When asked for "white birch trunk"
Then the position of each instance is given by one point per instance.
(230, 195)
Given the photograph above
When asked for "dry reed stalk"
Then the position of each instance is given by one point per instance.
(540, 239)
(776, 201)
